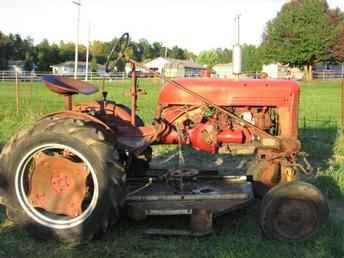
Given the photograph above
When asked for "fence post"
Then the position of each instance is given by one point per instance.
(17, 92)
(342, 105)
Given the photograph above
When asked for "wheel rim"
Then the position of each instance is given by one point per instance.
(295, 219)
(61, 186)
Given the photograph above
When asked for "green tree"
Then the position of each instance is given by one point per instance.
(94, 65)
(4, 51)
(337, 49)
(66, 51)
(177, 53)
(209, 58)
(300, 34)
(47, 55)
(251, 61)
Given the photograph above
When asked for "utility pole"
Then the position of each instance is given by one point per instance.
(78, 4)
(88, 50)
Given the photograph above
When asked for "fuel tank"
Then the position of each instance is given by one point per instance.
(225, 92)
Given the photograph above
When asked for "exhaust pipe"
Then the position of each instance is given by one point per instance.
(236, 49)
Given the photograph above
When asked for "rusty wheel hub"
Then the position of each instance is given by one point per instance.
(58, 184)
(295, 218)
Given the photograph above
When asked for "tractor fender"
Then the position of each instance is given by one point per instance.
(79, 116)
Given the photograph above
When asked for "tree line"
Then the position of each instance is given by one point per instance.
(303, 32)
(44, 54)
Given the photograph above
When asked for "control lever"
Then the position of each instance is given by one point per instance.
(104, 93)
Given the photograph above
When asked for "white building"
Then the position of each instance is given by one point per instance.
(175, 68)
(67, 68)
(157, 64)
(16, 65)
(279, 71)
(224, 71)
(276, 71)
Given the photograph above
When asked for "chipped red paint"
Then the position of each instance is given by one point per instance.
(231, 93)
(282, 94)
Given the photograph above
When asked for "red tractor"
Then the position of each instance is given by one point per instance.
(73, 172)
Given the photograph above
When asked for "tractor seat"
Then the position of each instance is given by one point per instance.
(67, 86)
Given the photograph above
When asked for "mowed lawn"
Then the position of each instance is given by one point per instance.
(237, 234)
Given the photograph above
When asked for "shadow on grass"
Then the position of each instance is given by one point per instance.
(319, 143)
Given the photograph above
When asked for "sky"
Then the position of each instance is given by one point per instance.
(193, 24)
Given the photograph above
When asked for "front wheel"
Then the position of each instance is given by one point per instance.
(63, 180)
(292, 211)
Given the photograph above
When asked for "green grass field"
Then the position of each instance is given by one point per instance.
(237, 234)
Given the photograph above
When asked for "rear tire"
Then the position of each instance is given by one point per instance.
(105, 182)
(292, 211)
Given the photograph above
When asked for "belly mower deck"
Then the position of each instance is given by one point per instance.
(187, 192)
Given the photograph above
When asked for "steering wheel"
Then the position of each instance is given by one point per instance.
(117, 52)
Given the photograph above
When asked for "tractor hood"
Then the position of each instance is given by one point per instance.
(231, 92)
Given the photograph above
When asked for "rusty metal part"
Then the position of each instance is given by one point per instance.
(190, 197)
(66, 86)
(58, 185)
(190, 172)
(306, 169)
(268, 173)
(119, 119)
(79, 116)
(201, 224)
(238, 149)
(68, 102)
(295, 217)
(293, 211)
(201, 221)
(262, 120)
(133, 93)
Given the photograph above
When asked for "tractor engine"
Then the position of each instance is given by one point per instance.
(208, 130)
(246, 115)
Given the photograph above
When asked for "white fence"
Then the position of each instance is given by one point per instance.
(328, 75)
(36, 76)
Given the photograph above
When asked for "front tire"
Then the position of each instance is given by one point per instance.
(292, 211)
(63, 180)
